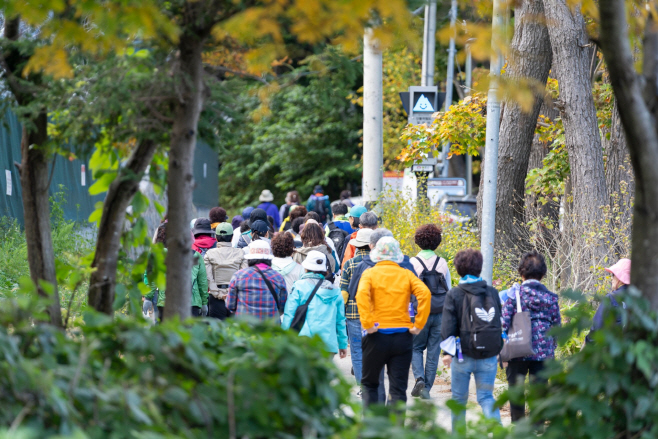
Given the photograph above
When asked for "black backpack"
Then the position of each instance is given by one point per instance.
(319, 208)
(330, 274)
(337, 235)
(437, 284)
(300, 313)
(481, 330)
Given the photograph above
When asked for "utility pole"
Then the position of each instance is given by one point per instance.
(450, 77)
(373, 108)
(490, 175)
(429, 45)
(469, 87)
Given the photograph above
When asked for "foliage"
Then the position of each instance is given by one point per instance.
(610, 389)
(402, 216)
(400, 68)
(128, 379)
(463, 125)
(94, 27)
(547, 183)
(308, 130)
(71, 244)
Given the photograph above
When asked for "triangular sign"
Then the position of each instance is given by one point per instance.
(423, 105)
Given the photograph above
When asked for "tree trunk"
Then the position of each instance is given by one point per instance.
(530, 58)
(181, 180)
(119, 196)
(571, 67)
(34, 175)
(35, 179)
(638, 97)
(618, 170)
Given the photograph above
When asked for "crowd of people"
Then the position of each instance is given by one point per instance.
(329, 269)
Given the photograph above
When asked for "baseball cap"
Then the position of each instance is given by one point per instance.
(224, 229)
(357, 211)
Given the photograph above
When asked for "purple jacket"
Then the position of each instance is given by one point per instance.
(272, 211)
(544, 314)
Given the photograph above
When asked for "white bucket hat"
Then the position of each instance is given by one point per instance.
(315, 261)
(259, 249)
(266, 196)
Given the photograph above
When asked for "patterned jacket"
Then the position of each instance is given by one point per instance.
(544, 314)
(248, 293)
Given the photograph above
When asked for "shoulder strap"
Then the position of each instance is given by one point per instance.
(421, 263)
(518, 301)
(269, 287)
(436, 263)
(315, 290)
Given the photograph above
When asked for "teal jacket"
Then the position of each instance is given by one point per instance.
(325, 316)
(199, 284)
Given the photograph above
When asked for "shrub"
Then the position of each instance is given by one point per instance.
(123, 378)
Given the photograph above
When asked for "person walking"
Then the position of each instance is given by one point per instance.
(353, 322)
(199, 287)
(270, 208)
(345, 198)
(257, 290)
(325, 315)
(217, 215)
(471, 319)
(295, 231)
(257, 214)
(294, 213)
(338, 229)
(283, 247)
(544, 315)
(204, 236)
(292, 199)
(433, 271)
(320, 204)
(313, 239)
(621, 279)
(367, 220)
(383, 299)
(237, 230)
(222, 263)
(154, 300)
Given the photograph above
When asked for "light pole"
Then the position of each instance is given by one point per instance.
(373, 130)
(490, 175)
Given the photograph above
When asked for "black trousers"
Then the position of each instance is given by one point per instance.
(516, 373)
(160, 313)
(217, 308)
(393, 351)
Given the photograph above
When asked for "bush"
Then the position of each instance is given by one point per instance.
(123, 378)
(610, 388)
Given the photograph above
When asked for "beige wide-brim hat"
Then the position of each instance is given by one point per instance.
(259, 249)
(362, 238)
(266, 196)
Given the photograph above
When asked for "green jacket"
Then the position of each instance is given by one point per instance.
(199, 284)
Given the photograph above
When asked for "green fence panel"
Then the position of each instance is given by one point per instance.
(74, 177)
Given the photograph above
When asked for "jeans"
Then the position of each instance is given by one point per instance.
(516, 372)
(354, 333)
(393, 351)
(485, 375)
(196, 311)
(430, 339)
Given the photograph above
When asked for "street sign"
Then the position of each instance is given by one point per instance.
(447, 182)
(422, 168)
(421, 103)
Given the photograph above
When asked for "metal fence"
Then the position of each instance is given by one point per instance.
(73, 177)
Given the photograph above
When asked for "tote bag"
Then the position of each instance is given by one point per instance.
(519, 335)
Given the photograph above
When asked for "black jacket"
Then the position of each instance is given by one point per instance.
(451, 321)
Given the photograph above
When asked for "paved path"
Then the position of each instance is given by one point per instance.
(440, 393)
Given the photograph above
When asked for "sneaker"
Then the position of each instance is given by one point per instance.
(425, 394)
(359, 394)
(418, 387)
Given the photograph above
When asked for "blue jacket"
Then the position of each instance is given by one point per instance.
(272, 211)
(325, 315)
